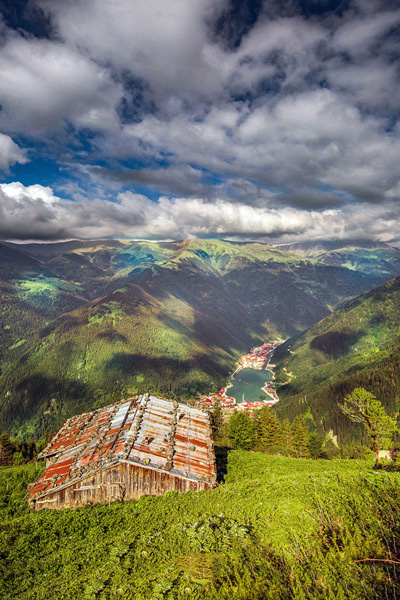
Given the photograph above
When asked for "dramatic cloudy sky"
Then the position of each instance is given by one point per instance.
(275, 120)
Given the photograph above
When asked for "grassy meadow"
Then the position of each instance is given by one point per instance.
(275, 528)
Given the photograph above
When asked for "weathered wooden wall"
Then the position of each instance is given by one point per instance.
(121, 482)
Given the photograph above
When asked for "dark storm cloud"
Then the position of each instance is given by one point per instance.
(236, 19)
(245, 118)
(26, 16)
(34, 212)
(310, 199)
(177, 180)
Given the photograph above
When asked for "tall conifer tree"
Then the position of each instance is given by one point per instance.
(300, 438)
(6, 450)
(268, 430)
(287, 438)
(241, 431)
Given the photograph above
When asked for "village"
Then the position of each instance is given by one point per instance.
(258, 358)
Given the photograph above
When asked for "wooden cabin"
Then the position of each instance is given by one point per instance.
(144, 445)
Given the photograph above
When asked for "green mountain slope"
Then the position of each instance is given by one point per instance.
(127, 340)
(30, 294)
(357, 345)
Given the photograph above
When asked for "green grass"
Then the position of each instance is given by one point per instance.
(19, 343)
(112, 310)
(40, 285)
(34, 286)
(277, 528)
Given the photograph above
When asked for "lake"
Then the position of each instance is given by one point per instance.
(248, 382)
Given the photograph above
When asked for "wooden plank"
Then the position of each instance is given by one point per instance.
(42, 501)
(113, 483)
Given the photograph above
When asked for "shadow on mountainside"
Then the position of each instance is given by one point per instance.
(335, 343)
(112, 336)
(46, 400)
(122, 364)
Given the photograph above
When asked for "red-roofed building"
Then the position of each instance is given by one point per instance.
(139, 446)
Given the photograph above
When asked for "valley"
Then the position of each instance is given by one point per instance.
(85, 322)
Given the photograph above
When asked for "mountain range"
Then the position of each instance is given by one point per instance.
(81, 321)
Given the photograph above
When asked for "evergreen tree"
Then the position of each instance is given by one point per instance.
(31, 449)
(363, 407)
(217, 423)
(6, 450)
(287, 438)
(268, 430)
(44, 440)
(241, 431)
(300, 438)
(18, 458)
(316, 444)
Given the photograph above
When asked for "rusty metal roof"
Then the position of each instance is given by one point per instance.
(150, 432)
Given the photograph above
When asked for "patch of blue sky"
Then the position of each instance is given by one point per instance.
(151, 193)
(136, 164)
(212, 179)
(42, 171)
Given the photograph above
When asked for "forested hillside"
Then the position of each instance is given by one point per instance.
(356, 346)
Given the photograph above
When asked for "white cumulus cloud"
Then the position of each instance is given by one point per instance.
(10, 153)
(35, 212)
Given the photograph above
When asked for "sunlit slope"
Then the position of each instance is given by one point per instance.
(358, 345)
(97, 266)
(222, 256)
(274, 288)
(30, 294)
(107, 255)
